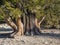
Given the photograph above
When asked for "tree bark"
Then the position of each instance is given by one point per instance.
(19, 27)
(32, 30)
(37, 27)
(27, 25)
(24, 23)
(11, 24)
(38, 24)
(42, 20)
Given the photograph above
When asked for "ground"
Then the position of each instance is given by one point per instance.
(48, 37)
(30, 40)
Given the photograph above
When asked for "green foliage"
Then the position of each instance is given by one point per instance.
(9, 10)
(51, 8)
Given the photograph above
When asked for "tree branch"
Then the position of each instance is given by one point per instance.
(42, 20)
(10, 23)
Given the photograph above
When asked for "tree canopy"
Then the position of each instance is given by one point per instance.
(15, 8)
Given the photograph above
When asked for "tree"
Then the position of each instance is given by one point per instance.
(26, 16)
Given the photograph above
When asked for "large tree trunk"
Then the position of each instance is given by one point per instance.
(32, 25)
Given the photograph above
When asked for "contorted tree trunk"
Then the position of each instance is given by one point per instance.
(33, 26)
(30, 24)
(17, 28)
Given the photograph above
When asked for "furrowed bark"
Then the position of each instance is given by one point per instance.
(24, 22)
(32, 30)
(27, 28)
(19, 27)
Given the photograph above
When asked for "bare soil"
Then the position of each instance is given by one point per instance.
(47, 37)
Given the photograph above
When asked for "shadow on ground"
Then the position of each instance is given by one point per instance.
(7, 35)
(42, 34)
(5, 29)
(50, 35)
